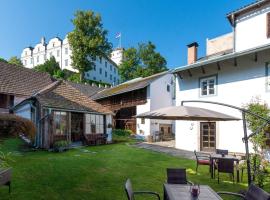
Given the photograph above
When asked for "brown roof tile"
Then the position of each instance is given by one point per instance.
(21, 81)
(62, 95)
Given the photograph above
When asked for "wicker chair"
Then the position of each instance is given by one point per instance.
(225, 166)
(253, 193)
(5, 177)
(177, 176)
(202, 159)
(130, 193)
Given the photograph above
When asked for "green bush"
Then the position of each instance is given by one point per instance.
(61, 143)
(122, 132)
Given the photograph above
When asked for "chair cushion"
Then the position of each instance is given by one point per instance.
(204, 162)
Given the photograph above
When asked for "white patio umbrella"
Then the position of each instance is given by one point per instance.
(186, 113)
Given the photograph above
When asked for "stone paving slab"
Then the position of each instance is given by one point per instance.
(168, 150)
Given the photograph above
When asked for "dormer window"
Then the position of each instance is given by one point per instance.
(25, 53)
(38, 49)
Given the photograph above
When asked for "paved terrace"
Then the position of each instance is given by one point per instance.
(166, 149)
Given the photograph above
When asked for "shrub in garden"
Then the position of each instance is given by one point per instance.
(122, 132)
(12, 125)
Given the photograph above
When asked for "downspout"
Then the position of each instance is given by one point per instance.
(234, 34)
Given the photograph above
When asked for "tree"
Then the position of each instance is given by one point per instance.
(15, 61)
(259, 165)
(51, 66)
(141, 62)
(3, 60)
(88, 40)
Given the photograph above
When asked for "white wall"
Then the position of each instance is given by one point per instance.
(250, 29)
(157, 97)
(236, 86)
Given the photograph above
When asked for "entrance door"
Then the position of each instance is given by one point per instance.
(76, 127)
(208, 136)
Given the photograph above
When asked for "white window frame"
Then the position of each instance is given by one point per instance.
(207, 80)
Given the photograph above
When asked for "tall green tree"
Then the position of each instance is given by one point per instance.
(15, 61)
(142, 61)
(51, 66)
(88, 40)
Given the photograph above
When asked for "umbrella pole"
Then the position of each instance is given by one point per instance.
(246, 146)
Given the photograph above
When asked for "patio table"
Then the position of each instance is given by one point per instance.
(181, 192)
(217, 156)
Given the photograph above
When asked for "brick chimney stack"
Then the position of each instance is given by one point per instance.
(192, 53)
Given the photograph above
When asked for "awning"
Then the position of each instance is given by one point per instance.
(186, 113)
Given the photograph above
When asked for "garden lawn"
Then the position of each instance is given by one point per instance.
(97, 172)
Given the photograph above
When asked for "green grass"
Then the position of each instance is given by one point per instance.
(95, 172)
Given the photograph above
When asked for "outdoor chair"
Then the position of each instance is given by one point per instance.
(253, 193)
(177, 176)
(5, 177)
(222, 151)
(130, 193)
(225, 166)
(202, 159)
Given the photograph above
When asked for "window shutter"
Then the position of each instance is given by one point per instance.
(268, 25)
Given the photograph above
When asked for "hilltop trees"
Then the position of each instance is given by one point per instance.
(141, 62)
(88, 40)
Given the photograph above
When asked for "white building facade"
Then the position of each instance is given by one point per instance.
(160, 94)
(236, 72)
(105, 70)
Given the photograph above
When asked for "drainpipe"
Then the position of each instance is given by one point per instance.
(234, 34)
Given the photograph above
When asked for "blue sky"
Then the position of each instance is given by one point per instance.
(171, 25)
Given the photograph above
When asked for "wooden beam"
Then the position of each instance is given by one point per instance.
(256, 57)
(189, 73)
(203, 71)
(218, 65)
(235, 62)
(179, 74)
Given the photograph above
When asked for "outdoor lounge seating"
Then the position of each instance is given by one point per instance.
(130, 193)
(202, 159)
(177, 176)
(253, 193)
(5, 177)
(95, 139)
(225, 166)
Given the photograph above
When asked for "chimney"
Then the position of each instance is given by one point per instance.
(192, 53)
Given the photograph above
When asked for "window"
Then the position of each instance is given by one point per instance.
(37, 59)
(66, 62)
(58, 53)
(66, 51)
(106, 74)
(110, 77)
(25, 53)
(111, 67)
(44, 57)
(114, 79)
(268, 25)
(31, 60)
(114, 70)
(25, 62)
(106, 64)
(53, 44)
(38, 49)
(168, 88)
(208, 86)
(100, 59)
(94, 78)
(94, 124)
(60, 122)
(142, 120)
(95, 67)
(50, 54)
(100, 70)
